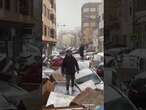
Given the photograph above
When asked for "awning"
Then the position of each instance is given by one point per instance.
(49, 39)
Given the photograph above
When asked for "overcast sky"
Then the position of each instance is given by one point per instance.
(69, 13)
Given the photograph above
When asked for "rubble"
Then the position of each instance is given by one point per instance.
(81, 101)
(88, 97)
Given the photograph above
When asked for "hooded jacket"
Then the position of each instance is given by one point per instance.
(70, 65)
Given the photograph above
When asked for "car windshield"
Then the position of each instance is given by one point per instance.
(119, 104)
(92, 77)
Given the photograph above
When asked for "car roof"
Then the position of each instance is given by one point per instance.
(141, 76)
(2, 57)
(84, 72)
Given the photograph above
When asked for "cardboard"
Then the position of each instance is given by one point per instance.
(89, 96)
(47, 88)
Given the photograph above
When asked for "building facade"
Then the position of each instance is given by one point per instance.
(139, 23)
(100, 30)
(16, 22)
(125, 23)
(89, 21)
(49, 25)
(118, 23)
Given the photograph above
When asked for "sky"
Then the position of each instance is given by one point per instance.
(68, 12)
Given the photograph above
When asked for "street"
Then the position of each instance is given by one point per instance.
(87, 78)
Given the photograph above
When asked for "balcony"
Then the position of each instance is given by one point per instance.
(49, 39)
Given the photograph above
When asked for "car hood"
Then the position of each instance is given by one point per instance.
(12, 92)
(5, 105)
(100, 86)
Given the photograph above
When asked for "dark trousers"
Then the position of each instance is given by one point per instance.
(82, 56)
(70, 78)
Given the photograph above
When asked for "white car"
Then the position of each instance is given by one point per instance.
(88, 78)
(83, 64)
(55, 53)
(46, 72)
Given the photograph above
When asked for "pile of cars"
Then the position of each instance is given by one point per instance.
(88, 78)
(127, 67)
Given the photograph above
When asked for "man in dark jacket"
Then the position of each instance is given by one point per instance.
(81, 51)
(69, 68)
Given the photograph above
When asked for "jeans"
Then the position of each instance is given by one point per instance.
(69, 77)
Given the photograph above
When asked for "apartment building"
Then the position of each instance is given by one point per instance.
(118, 23)
(89, 21)
(139, 23)
(49, 25)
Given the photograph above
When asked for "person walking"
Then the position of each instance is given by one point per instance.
(81, 51)
(69, 68)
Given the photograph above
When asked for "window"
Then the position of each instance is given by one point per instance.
(101, 32)
(52, 3)
(93, 9)
(103, 16)
(48, 31)
(93, 24)
(130, 11)
(140, 5)
(24, 7)
(48, 11)
(93, 17)
(16, 7)
(84, 32)
(7, 4)
(45, 30)
(86, 10)
(52, 17)
(52, 33)
(27, 31)
(1, 3)
(85, 24)
(45, 9)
